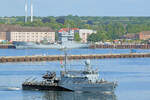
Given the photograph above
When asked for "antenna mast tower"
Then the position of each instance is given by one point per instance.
(26, 11)
(31, 11)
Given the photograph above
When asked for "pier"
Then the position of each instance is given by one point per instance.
(122, 46)
(70, 57)
(113, 46)
(7, 46)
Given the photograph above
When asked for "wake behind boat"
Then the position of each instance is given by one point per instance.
(6, 88)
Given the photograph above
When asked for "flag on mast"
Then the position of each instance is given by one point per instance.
(61, 62)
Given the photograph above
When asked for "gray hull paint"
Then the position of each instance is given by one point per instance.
(104, 87)
(69, 44)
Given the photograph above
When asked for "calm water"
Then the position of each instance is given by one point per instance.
(24, 52)
(133, 76)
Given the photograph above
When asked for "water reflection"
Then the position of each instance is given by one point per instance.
(50, 95)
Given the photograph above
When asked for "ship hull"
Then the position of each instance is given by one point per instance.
(101, 87)
(30, 45)
(50, 47)
(43, 87)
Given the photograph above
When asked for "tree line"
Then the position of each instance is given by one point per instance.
(108, 28)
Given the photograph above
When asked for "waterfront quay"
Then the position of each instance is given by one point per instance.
(7, 46)
(70, 57)
(122, 46)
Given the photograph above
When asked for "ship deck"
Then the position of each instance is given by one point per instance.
(37, 86)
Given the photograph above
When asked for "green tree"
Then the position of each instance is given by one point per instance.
(94, 37)
(77, 37)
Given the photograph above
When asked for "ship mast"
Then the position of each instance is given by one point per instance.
(65, 52)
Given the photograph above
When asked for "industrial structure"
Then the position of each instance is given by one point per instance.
(26, 10)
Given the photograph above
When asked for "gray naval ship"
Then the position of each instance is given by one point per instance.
(32, 45)
(86, 80)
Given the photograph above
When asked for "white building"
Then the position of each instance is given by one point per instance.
(84, 33)
(30, 34)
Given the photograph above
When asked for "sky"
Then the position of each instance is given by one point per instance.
(77, 7)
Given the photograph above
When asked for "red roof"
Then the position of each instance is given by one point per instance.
(67, 29)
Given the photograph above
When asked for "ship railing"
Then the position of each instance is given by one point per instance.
(98, 82)
(90, 72)
(40, 83)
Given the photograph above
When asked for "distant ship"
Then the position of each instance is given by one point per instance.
(67, 44)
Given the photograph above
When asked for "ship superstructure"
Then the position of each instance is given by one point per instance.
(86, 80)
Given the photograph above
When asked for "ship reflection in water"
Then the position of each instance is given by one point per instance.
(51, 95)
